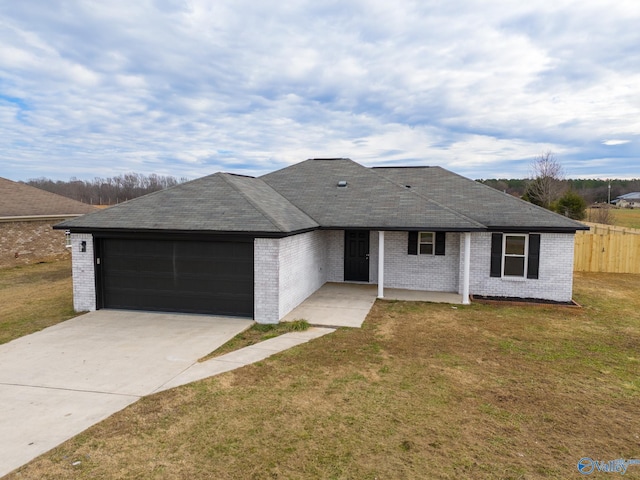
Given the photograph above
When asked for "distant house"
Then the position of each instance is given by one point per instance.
(27, 216)
(257, 247)
(628, 200)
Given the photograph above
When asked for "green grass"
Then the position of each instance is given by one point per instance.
(421, 391)
(257, 333)
(33, 297)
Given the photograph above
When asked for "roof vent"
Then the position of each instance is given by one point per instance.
(342, 183)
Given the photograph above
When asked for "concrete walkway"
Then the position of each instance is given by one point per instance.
(58, 382)
(348, 304)
(244, 356)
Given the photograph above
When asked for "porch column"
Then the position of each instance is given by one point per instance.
(380, 264)
(466, 268)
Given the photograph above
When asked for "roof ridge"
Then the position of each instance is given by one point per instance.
(429, 199)
(254, 204)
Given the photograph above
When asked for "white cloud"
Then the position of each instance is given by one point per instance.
(88, 88)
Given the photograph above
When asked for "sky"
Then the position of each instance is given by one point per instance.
(191, 87)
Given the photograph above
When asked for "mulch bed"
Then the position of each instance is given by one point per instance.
(521, 301)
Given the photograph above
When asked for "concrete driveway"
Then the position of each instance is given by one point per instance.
(56, 383)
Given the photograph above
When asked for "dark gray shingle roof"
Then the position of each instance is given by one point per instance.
(495, 209)
(219, 203)
(368, 201)
(306, 196)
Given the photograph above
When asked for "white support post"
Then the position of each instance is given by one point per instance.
(466, 269)
(380, 264)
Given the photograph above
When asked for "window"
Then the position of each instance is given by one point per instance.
(515, 255)
(67, 238)
(425, 243)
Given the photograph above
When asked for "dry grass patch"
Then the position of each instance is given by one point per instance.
(257, 333)
(33, 297)
(421, 391)
(627, 217)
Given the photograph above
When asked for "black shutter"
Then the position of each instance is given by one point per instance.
(533, 262)
(440, 241)
(412, 248)
(496, 254)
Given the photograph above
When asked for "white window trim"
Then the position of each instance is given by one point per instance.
(432, 243)
(67, 239)
(505, 255)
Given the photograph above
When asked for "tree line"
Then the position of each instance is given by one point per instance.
(548, 188)
(107, 191)
(593, 191)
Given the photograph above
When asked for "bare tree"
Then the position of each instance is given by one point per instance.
(107, 191)
(546, 184)
(602, 214)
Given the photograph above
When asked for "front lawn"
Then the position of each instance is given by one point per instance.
(421, 391)
(33, 297)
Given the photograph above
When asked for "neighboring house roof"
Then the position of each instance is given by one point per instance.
(20, 200)
(221, 202)
(629, 196)
(306, 196)
(484, 204)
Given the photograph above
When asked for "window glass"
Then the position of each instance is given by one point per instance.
(425, 243)
(514, 266)
(515, 249)
(514, 245)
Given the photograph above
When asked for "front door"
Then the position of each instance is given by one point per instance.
(356, 255)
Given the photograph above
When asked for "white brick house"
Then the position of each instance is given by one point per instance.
(257, 247)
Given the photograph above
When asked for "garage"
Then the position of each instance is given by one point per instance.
(211, 277)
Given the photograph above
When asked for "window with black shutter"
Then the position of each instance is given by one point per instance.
(515, 255)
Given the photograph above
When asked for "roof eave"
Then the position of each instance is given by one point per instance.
(533, 228)
(114, 232)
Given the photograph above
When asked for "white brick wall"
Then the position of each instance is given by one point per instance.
(303, 269)
(334, 240)
(555, 280)
(83, 271)
(436, 273)
(266, 276)
(287, 271)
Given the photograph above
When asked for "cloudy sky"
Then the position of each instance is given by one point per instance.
(190, 87)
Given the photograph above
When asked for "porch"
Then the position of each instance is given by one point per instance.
(347, 304)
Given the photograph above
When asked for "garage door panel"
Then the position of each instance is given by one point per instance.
(182, 276)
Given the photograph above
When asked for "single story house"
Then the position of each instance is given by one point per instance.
(27, 215)
(628, 200)
(257, 247)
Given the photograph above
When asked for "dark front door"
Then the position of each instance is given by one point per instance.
(177, 276)
(356, 255)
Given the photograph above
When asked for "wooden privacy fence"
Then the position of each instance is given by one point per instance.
(606, 248)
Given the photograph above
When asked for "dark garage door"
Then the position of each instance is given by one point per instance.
(177, 276)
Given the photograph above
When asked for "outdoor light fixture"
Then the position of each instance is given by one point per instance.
(83, 246)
